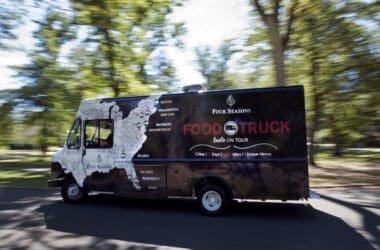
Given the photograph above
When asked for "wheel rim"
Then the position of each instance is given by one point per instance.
(211, 200)
(73, 191)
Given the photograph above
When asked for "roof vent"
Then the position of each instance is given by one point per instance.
(193, 88)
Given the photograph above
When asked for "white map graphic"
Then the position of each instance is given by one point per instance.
(129, 136)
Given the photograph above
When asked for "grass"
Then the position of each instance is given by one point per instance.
(339, 175)
(16, 178)
(23, 168)
(363, 155)
(354, 167)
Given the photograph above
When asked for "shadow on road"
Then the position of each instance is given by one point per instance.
(178, 224)
(370, 220)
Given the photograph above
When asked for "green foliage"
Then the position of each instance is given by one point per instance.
(161, 73)
(122, 35)
(214, 66)
(332, 50)
(273, 36)
(5, 123)
(11, 12)
(114, 53)
(360, 155)
(48, 93)
(330, 47)
(341, 70)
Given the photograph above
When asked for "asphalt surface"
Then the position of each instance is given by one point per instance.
(38, 219)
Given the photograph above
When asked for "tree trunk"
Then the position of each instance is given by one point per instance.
(279, 33)
(110, 59)
(336, 136)
(43, 139)
(277, 50)
(338, 148)
(278, 58)
(316, 102)
(314, 128)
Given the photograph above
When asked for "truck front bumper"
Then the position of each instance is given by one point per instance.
(55, 183)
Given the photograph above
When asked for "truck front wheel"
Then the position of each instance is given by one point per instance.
(72, 193)
(212, 199)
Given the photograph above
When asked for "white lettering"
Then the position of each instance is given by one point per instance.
(265, 154)
(151, 178)
(164, 124)
(143, 155)
(168, 110)
(241, 139)
(200, 154)
(218, 140)
(213, 154)
(249, 154)
(230, 111)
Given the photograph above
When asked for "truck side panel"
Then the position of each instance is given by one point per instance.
(255, 180)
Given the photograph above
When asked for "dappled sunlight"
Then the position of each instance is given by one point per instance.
(39, 218)
(344, 174)
(357, 207)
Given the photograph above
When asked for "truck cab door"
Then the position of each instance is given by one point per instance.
(98, 158)
(72, 153)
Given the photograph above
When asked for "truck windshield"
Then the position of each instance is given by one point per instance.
(73, 140)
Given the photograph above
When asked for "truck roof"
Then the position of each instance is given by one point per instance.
(266, 89)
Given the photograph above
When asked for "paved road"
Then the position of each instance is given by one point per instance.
(38, 219)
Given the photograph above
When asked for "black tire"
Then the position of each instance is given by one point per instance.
(212, 199)
(71, 192)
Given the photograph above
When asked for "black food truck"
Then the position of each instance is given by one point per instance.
(213, 146)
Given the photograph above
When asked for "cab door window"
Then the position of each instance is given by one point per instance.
(73, 139)
(99, 133)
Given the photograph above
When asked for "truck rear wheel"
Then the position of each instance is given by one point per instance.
(72, 193)
(212, 199)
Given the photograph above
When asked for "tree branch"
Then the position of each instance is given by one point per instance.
(259, 8)
(261, 11)
(285, 38)
(276, 8)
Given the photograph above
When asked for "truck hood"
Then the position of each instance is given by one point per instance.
(57, 156)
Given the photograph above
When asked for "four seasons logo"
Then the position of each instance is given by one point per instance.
(230, 100)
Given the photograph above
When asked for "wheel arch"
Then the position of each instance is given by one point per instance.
(212, 179)
(57, 171)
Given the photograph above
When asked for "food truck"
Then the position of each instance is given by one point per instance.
(213, 146)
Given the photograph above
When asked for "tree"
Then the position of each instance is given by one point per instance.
(48, 93)
(121, 37)
(214, 66)
(10, 18)
(161, 72)
(5, 123)
(340, 71)
(278, 19)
